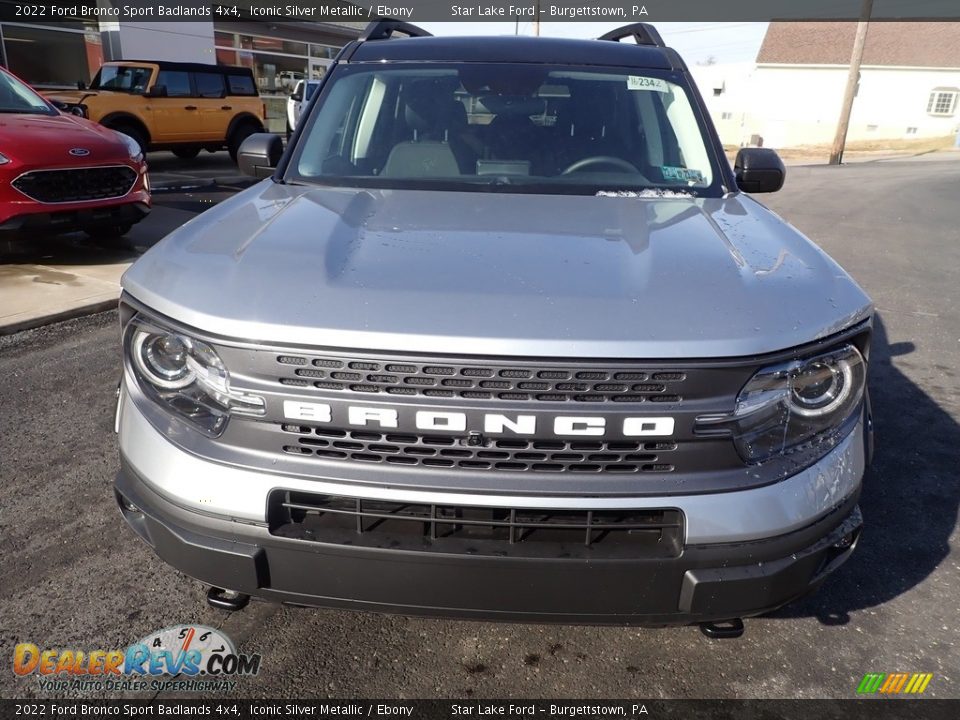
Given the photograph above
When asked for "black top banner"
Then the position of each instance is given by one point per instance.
(476, 10)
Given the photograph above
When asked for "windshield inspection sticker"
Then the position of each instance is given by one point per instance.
(638, 82)
(679, 174)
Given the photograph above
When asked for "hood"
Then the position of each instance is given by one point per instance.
(73, 96)
(41, 140)
(498, 274)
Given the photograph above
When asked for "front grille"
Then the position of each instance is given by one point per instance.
(76, 185)
(451, 452)
(475, 530)
(481, 381)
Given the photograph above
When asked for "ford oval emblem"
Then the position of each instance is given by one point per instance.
(79, 152)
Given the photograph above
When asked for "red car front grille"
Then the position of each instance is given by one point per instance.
(76, 184)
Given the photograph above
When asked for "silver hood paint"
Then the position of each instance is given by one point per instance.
(498, 274)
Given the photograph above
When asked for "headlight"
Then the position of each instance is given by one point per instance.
(185, 376)
(796, 405)
(133, 147)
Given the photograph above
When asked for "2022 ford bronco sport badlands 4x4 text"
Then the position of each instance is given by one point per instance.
(500, 337)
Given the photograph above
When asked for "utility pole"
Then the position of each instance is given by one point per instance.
(853, 80)
(536, 18)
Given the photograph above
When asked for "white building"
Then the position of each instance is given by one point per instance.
(909, 83)
(727, 92)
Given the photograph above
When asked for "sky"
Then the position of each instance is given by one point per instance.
(696, 42)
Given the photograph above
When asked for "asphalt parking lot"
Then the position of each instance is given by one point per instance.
(73, 576)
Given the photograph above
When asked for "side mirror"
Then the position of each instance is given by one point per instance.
(156, 91)
(297, 96)
(759, 170)
(81, 85)
(259, 154)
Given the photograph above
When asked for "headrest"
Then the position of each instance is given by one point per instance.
(427, 103)
(591, 112)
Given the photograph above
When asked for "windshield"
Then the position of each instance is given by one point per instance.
(506, 127)
(122, 78)
(16, 97)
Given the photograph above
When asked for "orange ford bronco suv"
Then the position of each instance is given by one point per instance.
(183, 107)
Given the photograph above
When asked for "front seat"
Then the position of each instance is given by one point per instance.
(428, 116)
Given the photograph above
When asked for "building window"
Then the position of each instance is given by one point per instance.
(943, 101)
(51, 57)
(326, 52)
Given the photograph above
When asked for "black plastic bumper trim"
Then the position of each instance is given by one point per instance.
(70, 220)
(705, 583)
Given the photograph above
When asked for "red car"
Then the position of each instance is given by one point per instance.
(60, 172)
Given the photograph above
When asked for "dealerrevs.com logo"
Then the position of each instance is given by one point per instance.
(894, 683)
(200, 657)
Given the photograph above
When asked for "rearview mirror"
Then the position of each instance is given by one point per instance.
(759, 170)
(259, 154)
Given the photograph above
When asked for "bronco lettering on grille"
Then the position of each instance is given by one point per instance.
(493, 423)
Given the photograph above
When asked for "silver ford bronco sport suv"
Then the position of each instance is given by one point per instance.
(499, 335)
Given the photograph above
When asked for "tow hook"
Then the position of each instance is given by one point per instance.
(228, 600)
(722, 629)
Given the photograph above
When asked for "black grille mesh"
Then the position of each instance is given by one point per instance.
(453, 453)
(474, 530)
(480, 382)
(76, 185)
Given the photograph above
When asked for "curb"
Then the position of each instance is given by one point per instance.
(69, 314)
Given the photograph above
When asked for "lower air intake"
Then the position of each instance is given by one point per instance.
(474, 530)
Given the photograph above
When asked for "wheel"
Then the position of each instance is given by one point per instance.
(187, 152)
(134, 132)
(237, 137)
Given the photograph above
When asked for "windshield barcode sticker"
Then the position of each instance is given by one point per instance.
(678, 174)
(638, 82)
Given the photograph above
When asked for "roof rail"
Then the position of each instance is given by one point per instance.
(643, 33)
(384, 29)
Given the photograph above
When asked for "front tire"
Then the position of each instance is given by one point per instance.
(241, 133)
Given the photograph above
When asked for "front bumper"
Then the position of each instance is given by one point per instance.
(728, 566)
(45, 219)
(706, 583)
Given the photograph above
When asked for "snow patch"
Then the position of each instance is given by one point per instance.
(647, 193)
